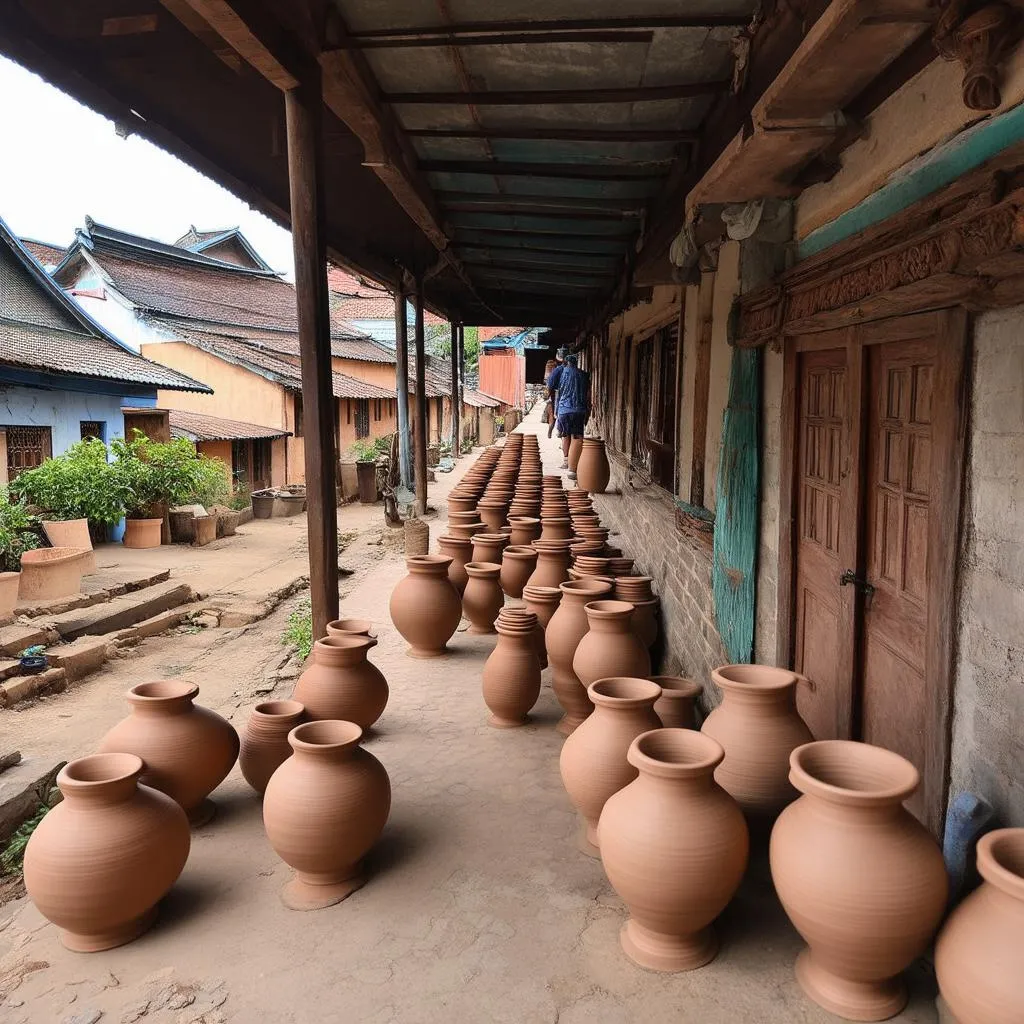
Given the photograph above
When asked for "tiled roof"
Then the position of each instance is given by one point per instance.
(372, 306)
(345, 283)
(357, 346)
(213, 242)
(47, 254)
(479, 400)
(487, 333)
(197, 426)
(193, 236)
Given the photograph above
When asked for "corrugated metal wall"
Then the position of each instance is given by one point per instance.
(503, 375)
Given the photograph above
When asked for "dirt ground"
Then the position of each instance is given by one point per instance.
(480, 908)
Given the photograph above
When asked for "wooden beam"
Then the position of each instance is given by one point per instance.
(553, 249)
(701, 385)
(402, 388)
(507, 39)
(559, 97)
(623, 203)
(558, 269)
(597, 236)
(454, 356)
(560, 134)
(303, 111)
(452, 32)
(540, 210)
(580, 172)
(422, 405)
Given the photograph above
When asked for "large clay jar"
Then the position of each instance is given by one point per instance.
(517, 565)
(324, 809)
(188, 750)
(979, 958)
(511, 675)
(593, 471)
(758, 725)
(676, 705)
(566, 629)
(593, 759)
(858, 875)
(425, 607)
(460, 551)
(341, 683)
(610, 647)
(552, 563)
(483, 598)
(265, 740)
(100, 861)
(575, 450)
(674, 846)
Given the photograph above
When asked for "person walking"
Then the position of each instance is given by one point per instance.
(552, 382)
(573, 405)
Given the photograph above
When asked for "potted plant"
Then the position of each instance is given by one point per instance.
(367, 453)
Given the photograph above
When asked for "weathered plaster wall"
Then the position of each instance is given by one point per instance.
(220, 450)
(61, 411)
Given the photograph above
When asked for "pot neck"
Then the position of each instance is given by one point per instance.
(100, 779)
(1001, 861)
(163, 705)
(349, 651)
(328, 741)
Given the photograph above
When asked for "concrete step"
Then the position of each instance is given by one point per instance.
(23, 786)
(42, 684)
(16, 637)
(121, 612)
(99, 588)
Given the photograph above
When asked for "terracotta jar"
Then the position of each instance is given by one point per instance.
(593, 759)
(265, 740)
(674, 846)
(518, 563)
(979, 958)
(575, 450)
(552, 563)
(465, 531)
(463, 502)
(523, 615)
(633, 588)
(97, 865)
(564, 632)
(49, 573)
(324, 809)
(462, 518)
(511, 674)
(492, 512)
(525, 530)
(350, 627)
(72, 533)
(676, 705)
(543, 602)
(460, 551)
(620, 566)
(860, 878)
(556, 528)
(142, 533)
(488, 547)
(593, 471)
(645, 620)
(188, 750)
(341, 683)
(610, 646)
(425, 608)
(9, 582)
(758, 725)
(483, 598)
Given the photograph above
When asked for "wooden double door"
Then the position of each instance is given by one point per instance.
(878, 446)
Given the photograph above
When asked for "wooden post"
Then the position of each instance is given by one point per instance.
(402, 388)
(462, 378)
(456, 406)
(303, 109)
(422, 408)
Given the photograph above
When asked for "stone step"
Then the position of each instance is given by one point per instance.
(98, 588)
(23, 786)
(16, 637)
(121, 612)
(41, 684)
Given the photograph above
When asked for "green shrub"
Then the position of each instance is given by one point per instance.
(242, 498)
(18, 531)
(161, 472)
(212, 487)
(299, 632)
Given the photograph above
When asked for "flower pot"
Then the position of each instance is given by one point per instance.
(341, 683)
(265, 740)
(674, 846)
(425, 608)
(556, 528)
(72, 533)
(593, 471)
(460, 551)
(142, 533)
(49, 573)
(262, 505)
(97, 865)
(517, 565)
(9, 582)
(188, 750)
(483, 597)
(593, 759)
(350, 627)
(323, 810)
(979, 958)
(676, 705)
(860, 878)
(286, 504)
(610, 647)
(205, 530)
(511, 674)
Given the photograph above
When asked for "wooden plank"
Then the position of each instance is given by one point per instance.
(578, 172)
(534, 132)
(558, 97)
(508, 39)
(130, 25)
(452, 32)
(556, 269)
(787, 509)
(422, 405)
(402, 388)
(702, 385)
(533, 210)
(623, 203)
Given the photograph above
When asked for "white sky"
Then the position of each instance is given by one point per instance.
(62, 161)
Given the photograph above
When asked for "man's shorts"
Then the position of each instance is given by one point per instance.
(572, 424)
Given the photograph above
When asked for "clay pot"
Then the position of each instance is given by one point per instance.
(265, 740)
(350, 627)
(674, 846)
(8, 592)
(543, 602)
(525, 530)
(97, 865)
(460, 551)
(593, 759)
(511, 674)
(188, 750)
(523, 616)
(556, 528)
(493, 513)
(341, 683)
(979, 958)
(49, 573)
(460, 518)
(142, 533)
(620, 566)
(575, 450)
(72, 533)
(488, 547)
(860, 878)
(593, 471)
(464, 502)
(552, 563)
(517, 566)
(633, 588)
(675, 706)
(645, 621)
(324, 809)
(564, 632)
(610, 646)
(425, 608)
(483, 598)
(759, 727)
(465, 531)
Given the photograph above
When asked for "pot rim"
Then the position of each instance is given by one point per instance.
(744, 678)
(624, 692)
(456, 541)
(1001, 860)
(585, 587)
(94, 770)
(523, 551)
(610, 609)
(346, 642)
(483, 570)
(524, 520)
(678, 687)
(280, 709)
(675, 753)
(160, 690)
(542, 594)
(490, 538)
(851, 773)
(330, 734)
(639, 604)
(361, 627)
(428, 563)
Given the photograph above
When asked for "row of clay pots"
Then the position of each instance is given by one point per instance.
(511, 674)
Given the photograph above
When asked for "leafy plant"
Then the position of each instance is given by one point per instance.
(18, 531)
(242, 498)
(12, 856)
(299, 632)
(159, 472)
(212, 487)
(371, 451)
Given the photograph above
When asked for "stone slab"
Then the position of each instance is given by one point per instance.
(151, 626)
(98, 588)
(15, 638)
(22, 788)
(80, 657)
(122, 612)
(41, 684)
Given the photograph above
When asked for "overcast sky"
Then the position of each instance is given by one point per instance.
(62, 161)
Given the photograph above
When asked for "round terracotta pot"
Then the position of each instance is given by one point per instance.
(525, 529)
(645, 621)
(460, 551)
(564, 632)
(552, 563)
(265, 740)
(461, 502)
(488, 547)
(620, 566)
(493, 513)
(759, 727)
(483, 598)
(425, 608)
(860, 878)
(593, 759)
(543, 602)
(188, 750)
(341, 683)
(97, 865)
(633, 588)
(676, 705)
(518, 563)
(979, 958)
(455, 517)
(511, 674)
(674, 846)
(593, 471)
(465, 531)
(350, 627)
(575, 450)
(142, 533)
(610, 646)
(556, 528)
(324, 809)
(48, 573)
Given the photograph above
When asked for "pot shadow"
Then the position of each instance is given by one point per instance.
(233, 806)
(189, 900)
(398, 844)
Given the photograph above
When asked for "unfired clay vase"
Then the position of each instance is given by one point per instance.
(759, 727)
(610, 647)
(593, 471)
(483, 597)
(265, 740)
(142, 533)
(425, 608)
(511, 674)
(552, 563)
(564, 632)
(860, 878)
(979, 958)
(49, 573)
(593, 759)
(487, 547)
(324, 809)
(517, 565)
(100, 861)
(675, 706)
(674, 846)
(645, 620)
(188, 750)
(350, 627)
(460, 551)
(340, 683)
(72, 533)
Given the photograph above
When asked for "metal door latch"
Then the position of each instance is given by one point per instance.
(851, 578)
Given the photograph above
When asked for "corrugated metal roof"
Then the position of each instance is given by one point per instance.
(197, 426)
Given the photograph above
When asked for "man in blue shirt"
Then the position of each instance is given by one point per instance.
(572, 386)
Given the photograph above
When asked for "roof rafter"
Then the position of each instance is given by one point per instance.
(557, 97)
(560, 134)
(580, 172)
